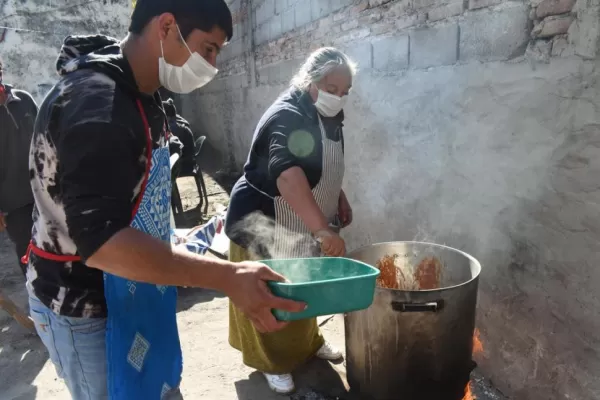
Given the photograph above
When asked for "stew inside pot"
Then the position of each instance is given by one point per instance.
(396, 273)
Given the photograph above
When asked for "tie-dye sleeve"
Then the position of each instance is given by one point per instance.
(100, 169)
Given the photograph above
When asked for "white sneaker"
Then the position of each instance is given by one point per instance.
(282, 384)
(328, 352)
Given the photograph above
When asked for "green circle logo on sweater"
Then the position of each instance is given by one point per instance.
(301, 143)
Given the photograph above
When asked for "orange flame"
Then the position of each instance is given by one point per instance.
(468, 394)
(477, 344)
(477, 348)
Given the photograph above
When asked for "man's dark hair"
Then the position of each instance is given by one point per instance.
(189, 14)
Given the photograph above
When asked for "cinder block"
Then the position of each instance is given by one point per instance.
(280, 6)
(390, 53)
(320, 8)
(261, 33)
(303, 13)
(288, 20)
(418, 4)
(497, 35)
(375, 3)
(235, 6)
(236, 81)
(361, 53)
(475, 4)
(584, 35)
(445, 11)
(337, 4)
(274, 27)
(434, 46)
(237, 48)
(265, 11)
(224, 55)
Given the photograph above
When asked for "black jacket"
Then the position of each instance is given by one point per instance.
(88, 159)
(17, 117)
(182, 130)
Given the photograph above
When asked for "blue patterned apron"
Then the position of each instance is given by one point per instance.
(144, 357)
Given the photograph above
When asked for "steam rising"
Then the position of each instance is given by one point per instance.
(257, 233)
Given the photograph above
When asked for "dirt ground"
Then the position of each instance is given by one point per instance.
(212, 369)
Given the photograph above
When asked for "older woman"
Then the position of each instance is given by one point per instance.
(293, 179)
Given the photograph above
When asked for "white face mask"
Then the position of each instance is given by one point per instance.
(330, 105)
(195, 73)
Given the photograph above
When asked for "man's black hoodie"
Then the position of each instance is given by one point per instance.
(87, 160)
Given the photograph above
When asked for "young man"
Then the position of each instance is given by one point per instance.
(17, 117)
(102, 273)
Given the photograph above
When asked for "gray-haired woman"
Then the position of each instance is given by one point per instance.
(294, 177)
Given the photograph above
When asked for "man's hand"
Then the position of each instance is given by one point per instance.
(2, 222)
(344, 210)
(248, 290)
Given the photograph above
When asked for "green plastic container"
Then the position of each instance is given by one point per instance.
(327, 285)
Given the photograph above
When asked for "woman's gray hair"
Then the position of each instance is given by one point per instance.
(319, 64)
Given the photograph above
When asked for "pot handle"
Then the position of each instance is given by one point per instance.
(431, 306)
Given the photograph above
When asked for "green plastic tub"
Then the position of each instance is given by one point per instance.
(327, 285)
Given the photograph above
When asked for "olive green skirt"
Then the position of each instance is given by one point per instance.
(275, 353)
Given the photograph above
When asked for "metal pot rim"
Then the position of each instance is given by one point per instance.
(467, 255)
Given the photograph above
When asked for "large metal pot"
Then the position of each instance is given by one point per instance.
(415, 344)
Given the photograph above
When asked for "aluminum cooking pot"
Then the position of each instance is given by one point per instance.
(415, 344)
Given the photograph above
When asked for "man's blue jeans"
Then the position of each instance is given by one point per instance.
(77, 348)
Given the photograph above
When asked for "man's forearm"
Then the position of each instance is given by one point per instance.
(134, 255)
(295, 189)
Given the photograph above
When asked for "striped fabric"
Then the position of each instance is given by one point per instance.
(293, 239)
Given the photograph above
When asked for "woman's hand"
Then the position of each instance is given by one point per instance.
(344, 210)
(332, 244)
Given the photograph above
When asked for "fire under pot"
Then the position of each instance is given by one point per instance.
(411, 343)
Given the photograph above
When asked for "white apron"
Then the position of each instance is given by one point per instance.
(292, 238)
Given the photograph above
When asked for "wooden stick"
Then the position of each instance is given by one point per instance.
(14, 311)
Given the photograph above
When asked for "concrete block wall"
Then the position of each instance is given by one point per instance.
(427, 33)
(388, 36)
(37, 28)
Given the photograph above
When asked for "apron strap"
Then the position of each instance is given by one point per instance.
(148, 157)
(71, 258)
